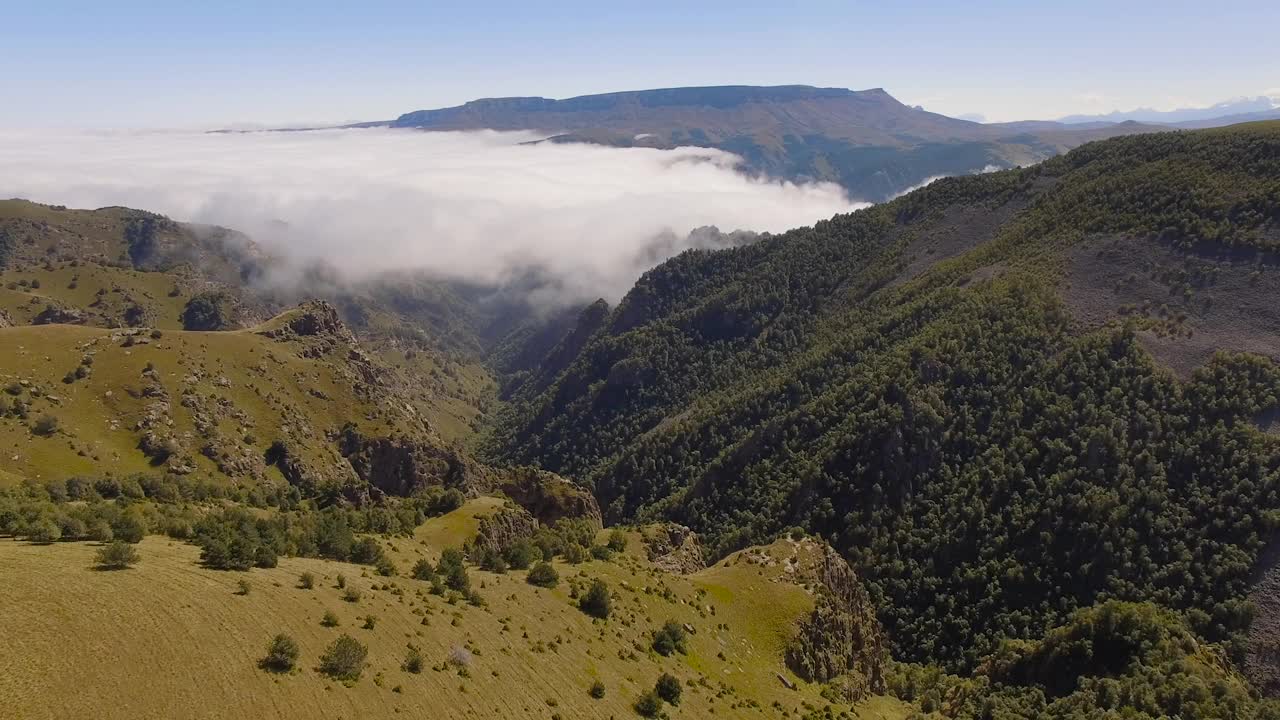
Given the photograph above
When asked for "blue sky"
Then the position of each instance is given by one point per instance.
(180, 64)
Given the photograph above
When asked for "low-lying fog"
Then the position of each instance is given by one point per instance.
(478, 206)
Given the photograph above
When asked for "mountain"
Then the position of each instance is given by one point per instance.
(1185, 116)
(867, 141)
(1223, 121)
(1005, 398)
(1005, 446)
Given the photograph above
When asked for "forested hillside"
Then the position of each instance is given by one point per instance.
(919, 383)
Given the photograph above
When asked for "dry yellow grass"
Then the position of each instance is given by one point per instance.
(170, 639)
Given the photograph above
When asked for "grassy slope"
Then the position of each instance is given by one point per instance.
(70, 286)
(74, 254)
(90, 638)
(265, 379)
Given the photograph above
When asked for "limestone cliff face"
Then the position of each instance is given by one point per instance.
(840, 642)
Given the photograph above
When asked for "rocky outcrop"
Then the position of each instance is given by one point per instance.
(311, 319)
(317, 330)
(402, 466)
(547, 496)
(674, 548)
(5, 320)
(54, 315)
(502, 529)
(840, 641)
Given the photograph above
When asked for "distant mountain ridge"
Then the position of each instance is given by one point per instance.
(1259, 108)
(865, 140)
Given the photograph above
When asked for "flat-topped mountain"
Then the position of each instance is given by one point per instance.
(710, 114)
(866, 140)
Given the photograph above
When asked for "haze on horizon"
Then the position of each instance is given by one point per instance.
(149, 64)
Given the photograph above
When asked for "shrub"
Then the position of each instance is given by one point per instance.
(71, 526)
(370, 622)
(282, 654)
(596, 602)
(329, 619)
(116, 556)
(413, 661)
(46, 425)
(597, 690)
(100, 531)
(649, 704)
(422, 570)
(520, 555)
(618, 541)
(243, 587)
(44, 530)
(574, 553)
(265, 557)
(341, 581)
(454, 571)
(344, 659)
(543, 575)
(351, 595)
(459, 657)
(386, 567)
(601, 552)
(668, 688)
(492, 561)
(129, 528)
(208, 311)
(366, 551)
(669, 639)
(306, 581)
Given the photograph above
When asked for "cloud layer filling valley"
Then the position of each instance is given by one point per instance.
(473, 206)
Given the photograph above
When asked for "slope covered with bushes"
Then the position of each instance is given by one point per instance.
(908, 381)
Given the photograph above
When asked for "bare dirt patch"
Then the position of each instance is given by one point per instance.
(1193, 302)
(957, 231)
(1262, 661)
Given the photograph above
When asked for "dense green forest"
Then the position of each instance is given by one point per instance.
(989, 464)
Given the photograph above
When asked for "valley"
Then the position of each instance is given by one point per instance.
(1000, 447)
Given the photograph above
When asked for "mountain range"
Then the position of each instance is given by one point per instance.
(1223, 113)
(1004, 446)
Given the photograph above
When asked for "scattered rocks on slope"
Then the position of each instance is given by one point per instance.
(5, 320)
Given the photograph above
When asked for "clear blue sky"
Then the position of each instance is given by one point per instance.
(167, 64)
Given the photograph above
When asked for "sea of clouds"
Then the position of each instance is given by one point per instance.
(475, 206)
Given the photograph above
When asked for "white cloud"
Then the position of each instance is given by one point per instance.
(477, 206)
